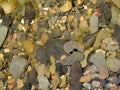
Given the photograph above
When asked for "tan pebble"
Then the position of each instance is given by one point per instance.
(52, 69)
(28, 46)
(70, 18)
(66, 7)
(29, 68)
(86, 78)
(20, 83)
(90, 11)
(44, 37)
(63, 81)
(82, 18)
(79, 2)
(62, 57)
(52, 59)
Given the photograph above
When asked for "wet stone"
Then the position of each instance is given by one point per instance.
(54, 47)
(3, 33)
(72, 46)
(113, 63)
(75, 74)
(98, 59)
(93, 24)
(76, 56)
(18, 66)
(105, 10)
(42, 55)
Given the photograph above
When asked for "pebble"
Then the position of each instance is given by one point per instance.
(96, 83)
(32, 77)
(93, 24)
(117, 3)
(72, 46)
(63, 81)
(18, 66)
(104, 72)
(84, 26)
(20, 83)
(2, 76)
(67, 6)
(76, 56)
(43, 82)
(86, 78)
(110, 44)
(87, 86)
(113, 63)
(7, 21)
(28, 46)
(94, 1)
(44, 37)
(52, 69)
(98, 59)
(3, 33)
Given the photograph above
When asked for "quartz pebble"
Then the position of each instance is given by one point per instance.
(113, 63)
(93, 24)
(98, 59)
(87, 86)
(18, 66)
(3, 33)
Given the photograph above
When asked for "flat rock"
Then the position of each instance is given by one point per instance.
(72, 46)
(3, 33)
(113, 63)
(98, 59)
(76, 56)
(93, 24)
(18, 66)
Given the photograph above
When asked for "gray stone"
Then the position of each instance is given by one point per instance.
(93, 24)
(76, 56)
(71, 46)
(43, 82)
(95, 83)
(18, 66)
(113, 63)
(98, 59)
(3, 33)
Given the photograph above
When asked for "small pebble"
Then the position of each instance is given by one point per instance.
(87, 86)
(18, 66)
(20, 83)
(113, 63)
(93, 24)
(86, 78)
(96, 84)
(98, 59)
(63, 81)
